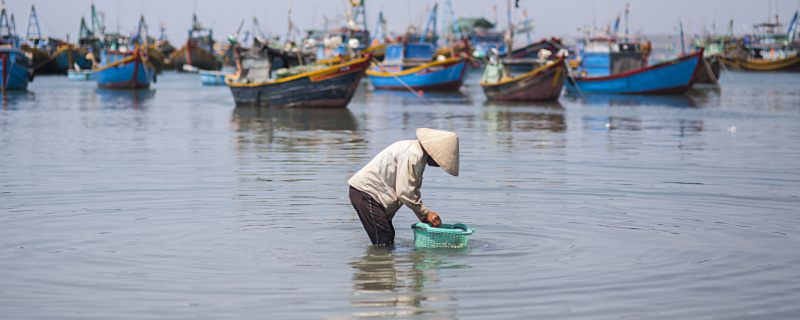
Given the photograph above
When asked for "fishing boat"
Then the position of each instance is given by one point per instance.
(396, 73)
(669, 77)
(709, 70)
(198, 50)
(125, 67)
(541, 84)
(531, 51)
(15, 65)
(91, 39)
(324, 86)
(769, 48)
(482, 36)
(69, 56)
(715, 48)
(124, 70)
(412, 65)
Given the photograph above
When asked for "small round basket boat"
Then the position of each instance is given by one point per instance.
(445, 236)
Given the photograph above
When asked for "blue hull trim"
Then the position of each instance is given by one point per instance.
(15, 69)
(671, 77)
(447, 78)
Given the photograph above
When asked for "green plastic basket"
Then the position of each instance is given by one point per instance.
(445, 236)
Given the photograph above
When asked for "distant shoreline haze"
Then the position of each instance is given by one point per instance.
(57, 18)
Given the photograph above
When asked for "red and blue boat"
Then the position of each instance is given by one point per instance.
(670, 77)
(444, 75)
(124, 70)
(15, 65)
(412, 65)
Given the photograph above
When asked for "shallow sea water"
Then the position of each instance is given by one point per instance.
(172, 204)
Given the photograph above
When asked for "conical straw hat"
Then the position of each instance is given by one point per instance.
(442, 146)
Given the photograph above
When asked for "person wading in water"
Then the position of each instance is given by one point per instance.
(393, 178)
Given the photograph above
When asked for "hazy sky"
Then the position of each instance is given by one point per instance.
(551, 18)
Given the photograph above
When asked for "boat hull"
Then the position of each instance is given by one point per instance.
(671, 77)
(329, 88)
(543, 84)
(15, 69)
(709, 71)
(788, 64)
(124, 71)
(194, 56)
(66, 58)
(430, 77)
(531, 51)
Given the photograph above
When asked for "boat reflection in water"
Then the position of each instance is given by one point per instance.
(392, 284)
(676, 101)
(635, 123)
(510, 117)
(124, 99)
(411, 98)
(14, 99)
(294, 126)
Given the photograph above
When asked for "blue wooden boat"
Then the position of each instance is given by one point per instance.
(670, 77)
(15, 69)
(67, 56)
(411, 65)
(15, 66)
(124, 70)
(446, 75)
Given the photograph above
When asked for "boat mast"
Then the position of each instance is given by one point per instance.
(33, 23)
(380, 27)
(510, 40)
(627, 20)
(359, 16)
(13, 26)
(450, 29)
(791, 32)
(141, 31)
(97, 23)
(5, 25)
(431, 21)
(683, 45)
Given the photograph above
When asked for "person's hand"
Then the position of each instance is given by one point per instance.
(433, 219)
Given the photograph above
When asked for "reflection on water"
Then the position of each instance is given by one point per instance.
(405, 97)
(291, 126)
(12, 99)
(125, 99)
(193, 208)
(261, 119)
(613, 100)
(387, 283)
(597, 122)
(515, 117)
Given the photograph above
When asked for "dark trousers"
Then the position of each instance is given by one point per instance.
(378, 226)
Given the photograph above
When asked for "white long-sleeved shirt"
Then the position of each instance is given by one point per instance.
(394, 177)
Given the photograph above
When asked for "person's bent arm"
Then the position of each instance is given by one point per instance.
(409, 180)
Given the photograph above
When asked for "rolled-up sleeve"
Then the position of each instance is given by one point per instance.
(409, 180)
